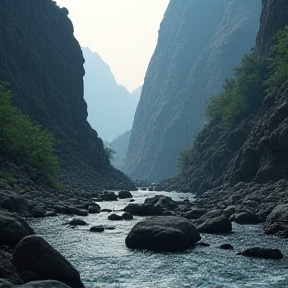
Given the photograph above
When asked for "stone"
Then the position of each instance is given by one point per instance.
(34, 254)
(124, 194)
(246, 217)
(13, 228)
(114, 217)
(262, 253)
(195, 213)
(277, 221)
(76, 221)
(143, 209)
(127, 216)
(92, 209)
(44, 284)
(218, 224)
(7, 270)
(163, 234)
(97, 229)
(109, 196)
(226, 246)
(38, 212)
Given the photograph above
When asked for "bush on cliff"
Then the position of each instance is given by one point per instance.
(24, 140)
(278, 61)
(242, 95)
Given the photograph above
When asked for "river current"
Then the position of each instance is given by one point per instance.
(103, 260)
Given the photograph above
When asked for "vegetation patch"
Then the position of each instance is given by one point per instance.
(23, 140)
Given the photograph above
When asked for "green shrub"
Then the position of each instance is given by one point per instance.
(242, 94)
(24, 140)
(278, 61)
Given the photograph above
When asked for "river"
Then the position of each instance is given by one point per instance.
(103, 260)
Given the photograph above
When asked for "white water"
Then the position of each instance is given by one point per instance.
(103, 260)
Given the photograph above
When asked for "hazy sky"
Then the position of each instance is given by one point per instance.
(123, 32)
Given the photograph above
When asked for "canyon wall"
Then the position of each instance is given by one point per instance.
(199, 45)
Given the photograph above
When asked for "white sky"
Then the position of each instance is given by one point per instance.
(123, 32)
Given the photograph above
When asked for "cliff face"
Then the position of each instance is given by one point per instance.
(255, 152)
(199, 45)
(43, 62)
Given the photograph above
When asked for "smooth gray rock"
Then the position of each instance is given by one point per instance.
(13, 228)
(34, 254)
(218, 224)
(163, 233)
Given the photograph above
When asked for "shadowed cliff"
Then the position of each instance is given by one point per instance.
(199, 45)
(255, 152)
(43, 62)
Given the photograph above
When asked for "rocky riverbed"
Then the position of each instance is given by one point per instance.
(103, 259)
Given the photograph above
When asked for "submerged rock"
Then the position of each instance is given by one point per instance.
(163, 233)
(34, 254)
(262, 253)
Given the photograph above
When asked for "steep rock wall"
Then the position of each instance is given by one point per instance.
(255, 152)
(43, 62)
(199, 45)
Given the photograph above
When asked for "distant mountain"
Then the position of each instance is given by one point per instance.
(111, 107)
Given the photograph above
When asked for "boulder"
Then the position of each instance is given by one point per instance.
(114, 217)
(13, 228)
(262, 253)
(143, 209)
(92, 209)
(277, 221)
(226, 246)
(163, 202)
(124, 194)
(209, 215)
(163, 233)
(80, 212)
(218, 224)
(127, 216)
(34, 254)
(230, 210)
(97, 229)
(76, 221)
(109, 196)
(38, 212)
(246, 217)
(44, 284)
(7, 270)
(195, 213)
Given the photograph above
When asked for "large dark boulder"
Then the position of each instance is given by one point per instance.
(45, 284)
(246, 217)
(163, 233)
(34, 254)
(277, 221)
(7, 270)
(143, 209)
(264, 253)
(124, 194)
(218, 224)
(13, 228)
(161, 201)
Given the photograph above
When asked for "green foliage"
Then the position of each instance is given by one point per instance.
(7, 176)
(278, 61)
(110, 152)
(242, 95)
(23, 140)
(186, 156)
